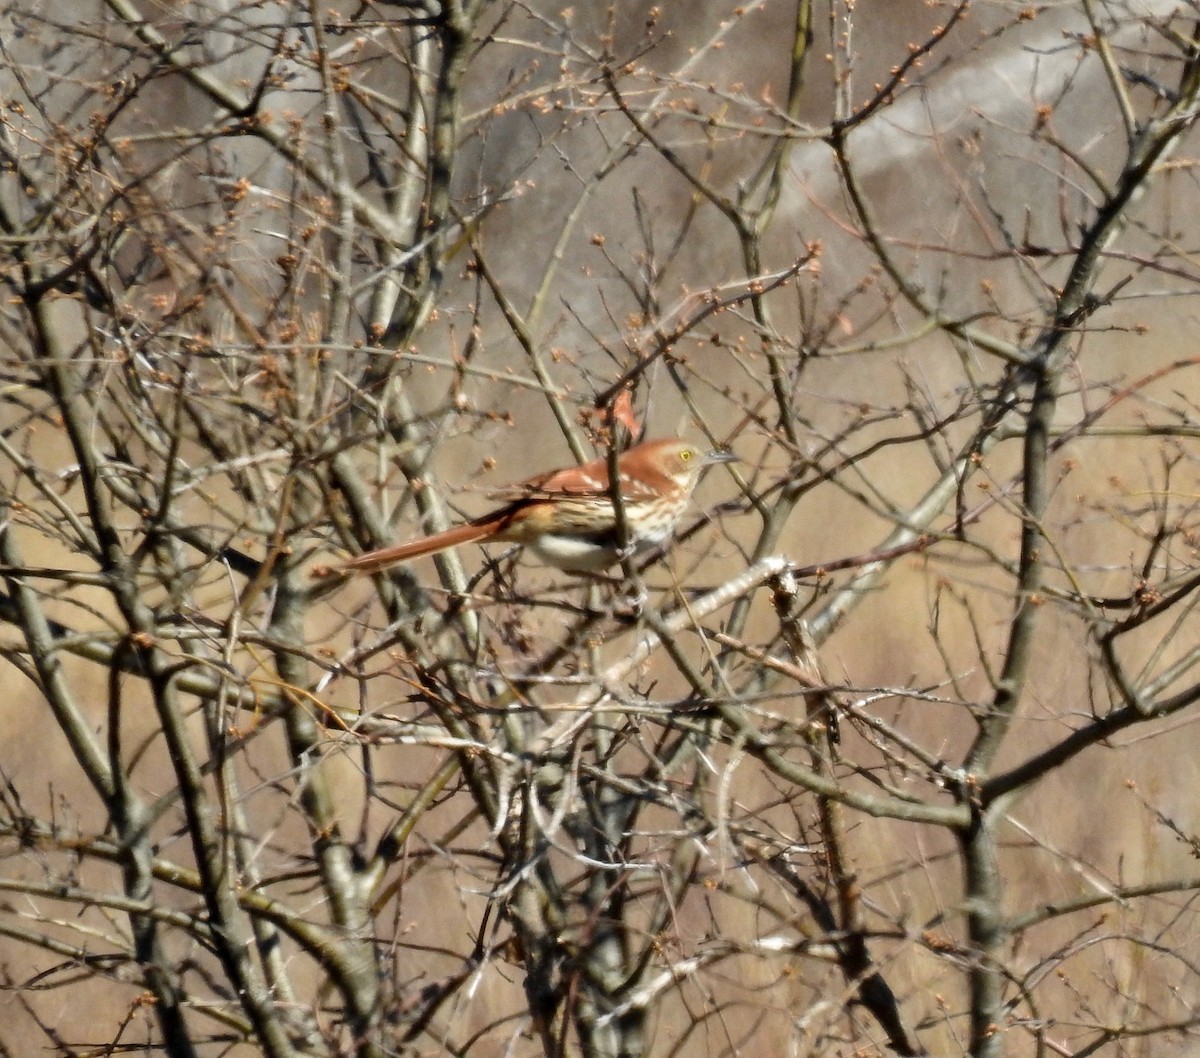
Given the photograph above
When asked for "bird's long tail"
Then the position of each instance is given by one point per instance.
(373, 561)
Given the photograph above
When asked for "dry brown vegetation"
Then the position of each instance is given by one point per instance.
(889, 753)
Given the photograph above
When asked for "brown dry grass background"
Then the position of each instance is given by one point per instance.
(1122, 813)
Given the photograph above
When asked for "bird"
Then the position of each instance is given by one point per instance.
(566, 517)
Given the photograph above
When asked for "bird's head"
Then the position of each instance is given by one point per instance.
(682, 461)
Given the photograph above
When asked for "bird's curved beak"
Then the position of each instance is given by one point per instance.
(720, 457)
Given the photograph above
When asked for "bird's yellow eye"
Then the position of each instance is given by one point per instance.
(686, 454)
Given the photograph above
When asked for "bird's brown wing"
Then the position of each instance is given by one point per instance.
(587, 479)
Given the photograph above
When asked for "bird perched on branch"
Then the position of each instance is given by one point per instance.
(567, 518)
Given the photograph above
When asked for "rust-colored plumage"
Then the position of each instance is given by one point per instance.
(566, 517)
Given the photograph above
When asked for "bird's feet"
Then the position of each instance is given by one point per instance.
(631, 602)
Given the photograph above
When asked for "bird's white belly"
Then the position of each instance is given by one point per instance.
(584, 554)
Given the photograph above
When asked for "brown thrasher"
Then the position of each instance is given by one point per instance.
(566, 517)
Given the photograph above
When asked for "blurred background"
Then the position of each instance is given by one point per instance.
(888, 753)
